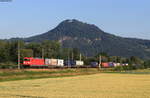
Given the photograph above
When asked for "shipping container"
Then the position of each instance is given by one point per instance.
(79, 63)
(60, 62)
(123, 65)
(118, 64)
(105, 65)
(47, 61)
(53, 62)
(67, 63)
(115, 64)
(94, 64)
(111, 64)
(70, 63)
(126, 64)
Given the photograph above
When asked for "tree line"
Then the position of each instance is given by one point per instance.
(54, 49)
(46, 49)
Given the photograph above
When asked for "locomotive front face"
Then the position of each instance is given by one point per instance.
(27, 61)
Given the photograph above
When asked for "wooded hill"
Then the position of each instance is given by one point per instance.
(90, 40)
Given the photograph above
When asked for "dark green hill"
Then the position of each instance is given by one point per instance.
(92, 40)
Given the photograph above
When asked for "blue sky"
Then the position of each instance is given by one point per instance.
(24, 18)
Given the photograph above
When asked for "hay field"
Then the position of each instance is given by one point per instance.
(86, 86)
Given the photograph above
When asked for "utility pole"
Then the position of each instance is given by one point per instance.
(69, 62)
(18, 55)
(100, 61)
(72, 56)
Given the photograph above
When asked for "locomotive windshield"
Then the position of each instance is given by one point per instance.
(26, 59)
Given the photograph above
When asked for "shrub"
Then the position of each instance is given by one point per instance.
(8, 65)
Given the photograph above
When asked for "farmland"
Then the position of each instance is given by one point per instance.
(24, 74)
(99, 85)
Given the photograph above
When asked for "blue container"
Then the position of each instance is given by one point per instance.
(94, 64)
(111, 64)
(69, 63)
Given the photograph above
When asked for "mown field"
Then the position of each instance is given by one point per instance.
(99, 85)
(26, 74)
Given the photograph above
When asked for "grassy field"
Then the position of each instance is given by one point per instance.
(24, 74)
(101, 85)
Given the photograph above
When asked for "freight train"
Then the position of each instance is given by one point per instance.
(39, 62)
(107, 64)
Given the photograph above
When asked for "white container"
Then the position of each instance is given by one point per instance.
(53, 62)
(79, 63)
(118, 64)
(126, 64)
(115, 64)
(60, 62)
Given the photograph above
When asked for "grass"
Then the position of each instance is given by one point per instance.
(11, 75)
(140, 71)
(101, 85)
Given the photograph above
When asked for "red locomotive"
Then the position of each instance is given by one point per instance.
(30, 61)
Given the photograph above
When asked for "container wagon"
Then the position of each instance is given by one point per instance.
(94, 64)
(79, 63)
(105, 65)
(60, 62)
(39, 62)
(69, 63)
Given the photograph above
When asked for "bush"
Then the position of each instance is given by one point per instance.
(8, 65)
(118, 68)
(147, 64)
